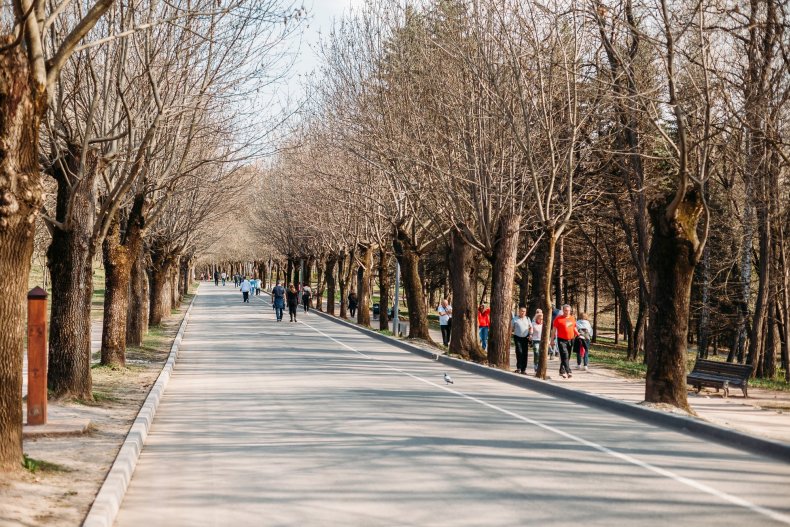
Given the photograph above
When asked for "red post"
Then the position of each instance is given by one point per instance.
(37, 357)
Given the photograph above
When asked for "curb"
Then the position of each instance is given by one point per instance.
(107, 503)
(688, 425)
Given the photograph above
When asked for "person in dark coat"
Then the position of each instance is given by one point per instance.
(292, 298)
(352, 303)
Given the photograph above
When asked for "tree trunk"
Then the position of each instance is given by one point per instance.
(70, 257)
(537, 269)
(341, 275)
(671, 262)
(384, 288)
(139, 303)
(21, 108)
(409, 260)
(560, 274)
(463, 283)
(503, 270)
(544, 301)
(331, 262)
(160, 291)
(117, 276)
(756, 337)
(363, 284)
(119, 252)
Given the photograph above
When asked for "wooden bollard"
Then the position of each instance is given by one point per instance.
(37, 357)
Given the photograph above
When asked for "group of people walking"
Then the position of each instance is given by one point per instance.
(290, 296)
(568, 335)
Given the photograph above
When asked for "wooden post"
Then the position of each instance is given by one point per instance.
(37, 357)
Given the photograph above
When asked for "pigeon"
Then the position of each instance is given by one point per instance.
(448, 379)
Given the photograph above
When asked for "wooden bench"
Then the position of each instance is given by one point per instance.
(720, 375)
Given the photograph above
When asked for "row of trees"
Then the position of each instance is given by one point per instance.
(493, 143)
(122, 125)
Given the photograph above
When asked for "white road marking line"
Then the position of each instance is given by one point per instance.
(735, 500)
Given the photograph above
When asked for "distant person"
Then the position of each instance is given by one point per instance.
(307, 295)
(537, 333)
(583, 341)
(224, 277)
(564, 330)
(352, 303)
(553, 349)
(483, 323)
(216, 278)
(445, 311)
(278, 301)
(245, 290)
(522, 328)
(292, 299)
(257, 286)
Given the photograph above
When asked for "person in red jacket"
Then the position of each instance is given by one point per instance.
(564, 329)
(483, 323)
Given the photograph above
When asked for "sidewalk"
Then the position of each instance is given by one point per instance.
(763, 414)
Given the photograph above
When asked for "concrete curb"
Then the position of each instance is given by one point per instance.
(105, 507)
(695, 427)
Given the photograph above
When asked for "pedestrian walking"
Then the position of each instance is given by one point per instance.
(278, 301)
(583, 341)
(245, 290)
(553, 349)
(483, 323)
(224, 277)
(445, 311)
(307, 296)
(216, 278)
(564, 329)
(522, 328)
(352, 303)
(257, 286)
(292, 298)
(537, 333)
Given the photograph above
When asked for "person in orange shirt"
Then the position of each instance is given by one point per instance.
(483, 322)
(564, 329)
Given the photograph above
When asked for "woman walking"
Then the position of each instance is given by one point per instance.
(292, 298)
(307, 294)
(352, 303)
(537, 332)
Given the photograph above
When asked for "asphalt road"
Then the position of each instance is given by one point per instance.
(314, 423)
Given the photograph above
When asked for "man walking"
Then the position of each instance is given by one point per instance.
(245, 290)
(278, 300)
(445, 311)
(483, 323)
(564, 328)
(522, 328)
(216, 278)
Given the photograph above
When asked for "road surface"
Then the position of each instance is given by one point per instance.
(314, 423)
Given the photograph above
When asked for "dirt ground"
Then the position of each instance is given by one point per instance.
(61, 491)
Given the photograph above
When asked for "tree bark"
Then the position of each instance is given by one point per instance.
(363, 284)
(343, 283)
(70, 258)
(503, 269)
(544, 301)
(384, 288)
(160, 290)
(331, 262)
(671, 262)
(119, 251)
(463, 283)
(757, 335)
(139, 303)
(21, 108)
(409, 259)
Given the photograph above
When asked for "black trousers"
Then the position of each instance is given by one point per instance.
(292, 311)
(566, 348)
(352, 310)
(246, 295)
(522, 352)
(446, 331)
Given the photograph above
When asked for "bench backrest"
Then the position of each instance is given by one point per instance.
(725, 369)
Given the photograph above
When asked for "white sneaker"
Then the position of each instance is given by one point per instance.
(586, 368)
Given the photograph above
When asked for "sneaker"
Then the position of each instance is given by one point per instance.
(570, 375)
(586, 368)
(563, 376)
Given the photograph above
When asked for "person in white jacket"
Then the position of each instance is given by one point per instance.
(245, 289)
(583, 341)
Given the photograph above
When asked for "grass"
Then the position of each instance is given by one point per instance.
(613, 357)
(37, 465)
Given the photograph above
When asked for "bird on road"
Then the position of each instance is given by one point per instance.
(448, 379)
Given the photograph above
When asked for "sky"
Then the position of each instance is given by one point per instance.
(321, 14)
